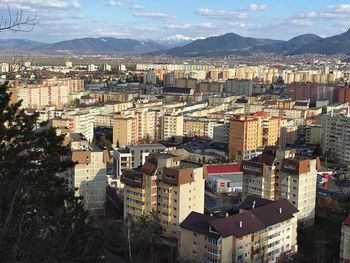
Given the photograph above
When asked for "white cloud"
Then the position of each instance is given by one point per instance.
(76, 5)
(155, 15)
(221, 14)
(120, 4)
(330, 12)
(256, 7)
(294, 22)
(106, 33)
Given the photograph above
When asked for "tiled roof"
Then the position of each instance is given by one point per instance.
(223, 168)
(244, 223)
(248, 202)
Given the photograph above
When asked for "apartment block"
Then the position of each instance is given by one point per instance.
(249, 132)
(124, 130)
(186, 83)
(345, 242)
(238, 87)
(133, 156)
(172, 126)
(282, 173)
(89, 173)
(172, 187)
(335, 141)
(83, 121)
(262, 234)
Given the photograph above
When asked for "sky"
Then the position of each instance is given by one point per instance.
(59, 20)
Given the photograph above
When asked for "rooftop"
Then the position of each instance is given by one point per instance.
(223, 168)
(244, 223)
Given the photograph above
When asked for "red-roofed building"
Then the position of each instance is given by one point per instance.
(224, 178)
(345, 242)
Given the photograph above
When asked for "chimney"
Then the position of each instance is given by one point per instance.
(280, 210)
(226, 215)
(240, 224)
(253, 205)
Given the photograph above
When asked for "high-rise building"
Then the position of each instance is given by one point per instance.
(345, 242)
(169, 79)
(282, 173)
(172, 126)
(249, 132)
(335, 142)
(165, 184)
(88, 174)
(313, 92)
(133, 156)
(150, 77)
(262, 234)
(124, 130)
(239, 87)
(186, 83)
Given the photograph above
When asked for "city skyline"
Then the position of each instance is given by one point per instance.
(63, 20)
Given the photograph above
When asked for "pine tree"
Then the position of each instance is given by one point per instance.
(40, 218)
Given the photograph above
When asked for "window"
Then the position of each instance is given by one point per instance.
(194, 243)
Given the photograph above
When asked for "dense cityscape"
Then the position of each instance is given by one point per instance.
(191, 149)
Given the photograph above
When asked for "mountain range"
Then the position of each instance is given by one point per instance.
(82, 46)
(233, 44)
(228, 44)
(178, 40)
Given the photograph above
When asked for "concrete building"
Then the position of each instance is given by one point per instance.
(124, 130)
(239, 87)
(89, 173)
(249, 132)
(224, 178)
(313, 134)
(345, 242)
(335, 141)
(169, 80)
(260, 235)
(150, 77)
(172, 126)
(172, 187)
(133, 156)
(282, 173)
(83, 121)
(186, 83)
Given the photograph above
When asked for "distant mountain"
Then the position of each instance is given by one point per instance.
(219, 46)
(328, 46)
(177, 40)
(101, 46)
(83, 46)
(233, 44)
(288, 46)
(18, 44)
(228, 44)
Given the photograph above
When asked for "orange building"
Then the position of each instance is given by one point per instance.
(251, 131)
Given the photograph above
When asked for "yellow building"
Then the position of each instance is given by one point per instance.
(260, 234)
(250, 132)
(124, 130)
(165, 184)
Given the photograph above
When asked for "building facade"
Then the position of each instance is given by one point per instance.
(165, 184)
(282, 173)
(264, 234)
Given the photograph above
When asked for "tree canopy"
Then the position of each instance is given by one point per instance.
(40, 218)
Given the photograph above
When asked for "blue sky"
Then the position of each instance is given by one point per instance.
(155, 19)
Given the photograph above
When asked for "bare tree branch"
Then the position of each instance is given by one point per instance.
(18, 22)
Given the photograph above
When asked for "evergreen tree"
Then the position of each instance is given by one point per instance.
(40, 218)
